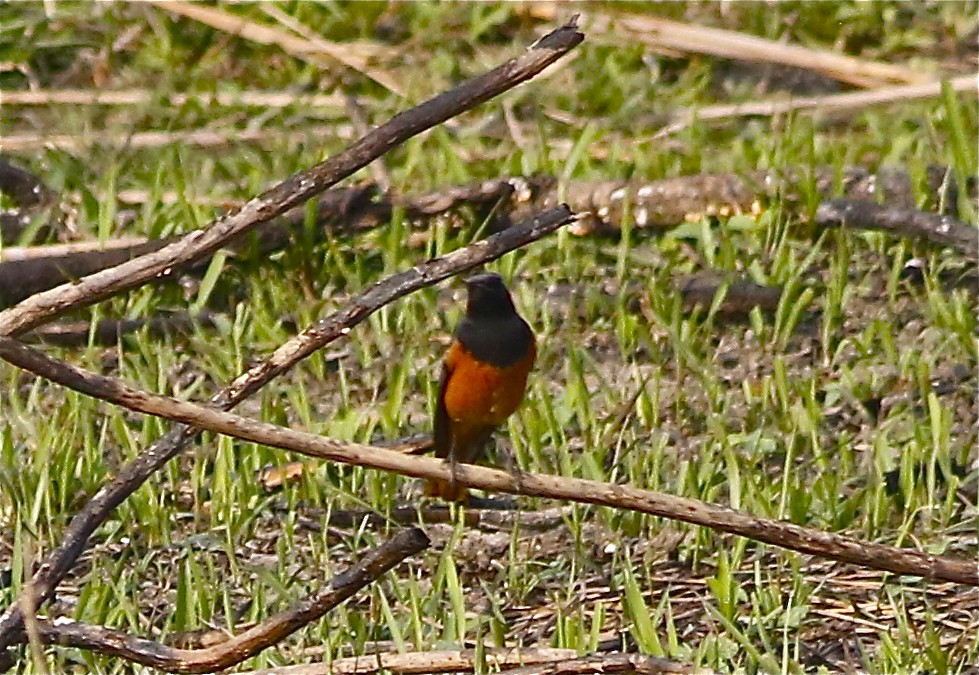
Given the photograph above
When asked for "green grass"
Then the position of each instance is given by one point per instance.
(774, 414)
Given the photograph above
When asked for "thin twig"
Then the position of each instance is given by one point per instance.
(344, 53)
(59, 561)
(201, 138)
(252, 641)
(261, 99)
(603, 664)
(298, 47)
(65, 251)
(468, 661)
(779, 533)
(830, 103)
(678, 36)
(476, 518)
(291, 192)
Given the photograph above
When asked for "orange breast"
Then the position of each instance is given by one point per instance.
(479, 394)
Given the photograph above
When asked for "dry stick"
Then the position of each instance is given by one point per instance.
(475, 518)
(741, 295)
(656, 204)
(663, 33)
(297, 46)
(779, 533)
(663, 203)
(26, 270)
(830, 103)
(134, 474)
(31, 269)
(342, 52)
(262, 99)
(64, 252)
(201, 138)
(602, 664)
(294, 191)
(502, 659)
(240, 647)
(904, 222)
(108, 331)
(291, 192)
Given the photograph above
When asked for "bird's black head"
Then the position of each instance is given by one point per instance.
(488, 297)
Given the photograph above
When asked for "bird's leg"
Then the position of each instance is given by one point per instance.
(510, 464)
(453, 460)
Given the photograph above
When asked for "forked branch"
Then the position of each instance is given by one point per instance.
(57, 563)
(42, 307)
(240, 647)
(291, 192)
(779, 533)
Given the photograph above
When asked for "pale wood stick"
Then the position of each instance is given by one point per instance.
(779, 533)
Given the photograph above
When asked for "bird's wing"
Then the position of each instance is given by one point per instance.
(442, 437)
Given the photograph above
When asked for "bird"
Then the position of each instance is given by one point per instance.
(484, 378)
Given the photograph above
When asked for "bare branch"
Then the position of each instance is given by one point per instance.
(504, 660)
(292, 192)
(310, 48)
(828, 104)
(934, 228)
(240, 647)
(56, 565)
(200, 138)
(602, 664)
(206, 99)
(657, 204)
(779, 533)
(741, 295)
(31, 269)
(673, 36)
(661, 204)
(108, 331)
(477, 518)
